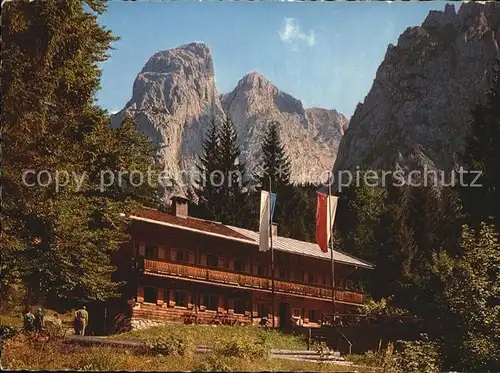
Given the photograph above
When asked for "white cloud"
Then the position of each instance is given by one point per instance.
(114, 111)
(292, 35)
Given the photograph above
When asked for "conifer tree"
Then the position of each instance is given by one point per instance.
(234, 190)
(209, 183)
(59, 242)
(275, 164)
(275, 167)
(482, 153)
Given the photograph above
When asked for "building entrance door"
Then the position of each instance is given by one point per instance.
(284, 315)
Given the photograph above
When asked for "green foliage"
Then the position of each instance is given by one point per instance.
(209, 162)
(172, 344)
(482, 153)
(466, 291)
(275, 164)
(212, 363)
(98, 359)
(381, 359)
(417, 356)
(222, 189)
(242, 347)
(383, 307)
(206, 334)
(7, 332)
(234, 191)
(360, 208)
(59, 242)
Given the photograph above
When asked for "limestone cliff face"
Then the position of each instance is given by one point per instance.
(174, 99)
(310, 135)
(418, 109)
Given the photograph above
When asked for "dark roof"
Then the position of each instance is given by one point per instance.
(189, 222)
(246, 236)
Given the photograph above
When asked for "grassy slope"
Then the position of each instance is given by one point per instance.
(20, 354)
(207, 334)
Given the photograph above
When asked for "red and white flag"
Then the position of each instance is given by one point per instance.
(326, 208)
(265, 215)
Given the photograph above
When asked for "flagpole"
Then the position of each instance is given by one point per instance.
(331, 250)
(272, 250)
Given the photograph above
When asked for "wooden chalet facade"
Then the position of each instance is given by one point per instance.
(183, 269)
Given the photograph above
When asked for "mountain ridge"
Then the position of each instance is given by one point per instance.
(175, 97)
(417, 111)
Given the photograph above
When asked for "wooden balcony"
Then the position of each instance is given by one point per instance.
(226, 278)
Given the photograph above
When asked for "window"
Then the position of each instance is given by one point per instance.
(262, 270)
(313, 315)
(283, 273)
(262, 310)
(182, 256)
(296, 312)
(151, 252)
(326, 280)
(239, 306)
(239, 265)
(181, 298)
(149, 294)
(300, 276)
(166, 294)
(310, 278)
(212, 261)
(210, 301)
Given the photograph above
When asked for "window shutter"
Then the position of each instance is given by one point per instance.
(203, 259)
(142, 248)
(173, 254)
(306, 277)
(231, 304)
(159, 296)
(222, 304)
(161, 252)
(255, 269)
(247, 266)
(221, 262)
(231, 265)
(140, 294)
(192, 257)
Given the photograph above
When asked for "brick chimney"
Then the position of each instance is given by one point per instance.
(180, 206)
(274, 230)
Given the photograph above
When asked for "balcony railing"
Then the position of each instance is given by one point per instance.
(248, 281)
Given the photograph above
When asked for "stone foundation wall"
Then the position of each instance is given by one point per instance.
(138, 324)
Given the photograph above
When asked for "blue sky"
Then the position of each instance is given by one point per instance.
(325, 54)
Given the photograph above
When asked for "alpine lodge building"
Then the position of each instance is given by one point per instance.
(187, 270)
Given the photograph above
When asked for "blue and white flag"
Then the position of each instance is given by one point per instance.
(273, 204)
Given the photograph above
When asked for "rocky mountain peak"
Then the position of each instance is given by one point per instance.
(254, 80)
(195, 56)
(418, 110)
(174, 100)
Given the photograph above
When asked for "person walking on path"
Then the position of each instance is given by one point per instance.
(81, 320)
(39, 321)
(29, 322)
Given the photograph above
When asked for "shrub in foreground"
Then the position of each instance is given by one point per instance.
(242, 347)
(171, 345)
(417, 356)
